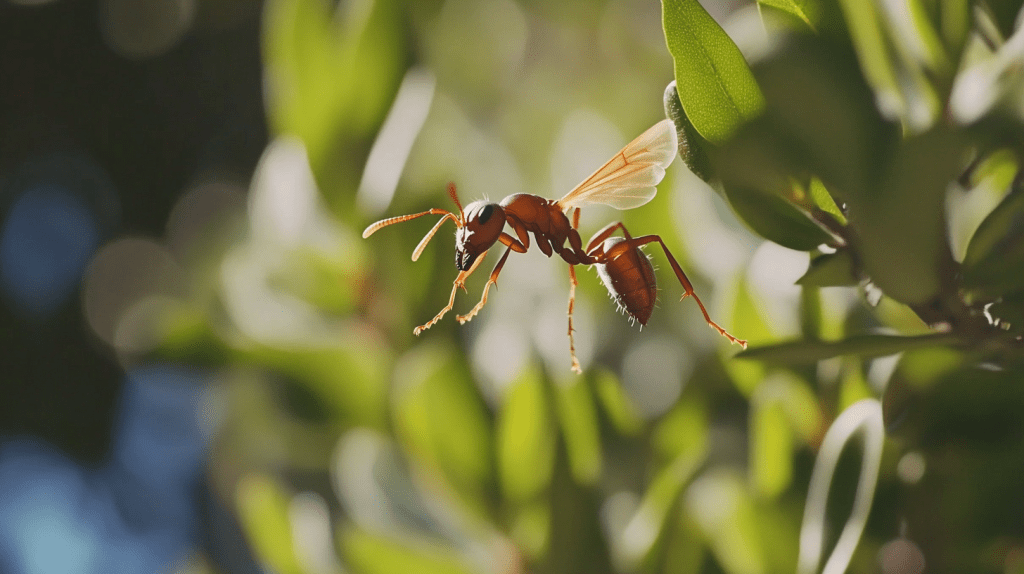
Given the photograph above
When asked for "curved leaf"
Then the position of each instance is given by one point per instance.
(714, 82)
(803, 352)
(691, 144)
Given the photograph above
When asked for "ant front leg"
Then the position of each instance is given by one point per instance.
(513, 245)
(460, 282)
(687, 286)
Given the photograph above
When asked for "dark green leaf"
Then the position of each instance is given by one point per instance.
(776, 219)
(901, 226)
(830, 270)
(714, 83)
(691, 144)
(995, 255)
(804, 352)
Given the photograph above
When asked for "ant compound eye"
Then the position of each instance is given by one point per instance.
(485, 213)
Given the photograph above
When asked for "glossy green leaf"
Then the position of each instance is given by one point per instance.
(440, 417)
(691, 145)
(367, 553)
(807, 11)
(901, 229)
(995, 255)
(805, 352)
(526, 443)
(713, 80)
(578, 418)
(830, 270)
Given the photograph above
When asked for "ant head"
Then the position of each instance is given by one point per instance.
(481, 228)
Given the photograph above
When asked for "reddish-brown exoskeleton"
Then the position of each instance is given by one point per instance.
(628, 180)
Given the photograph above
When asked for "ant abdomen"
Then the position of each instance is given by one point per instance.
(629, 277)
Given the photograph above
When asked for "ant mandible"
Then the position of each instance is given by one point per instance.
(627, 181)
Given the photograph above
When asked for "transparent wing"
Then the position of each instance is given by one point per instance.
(628, 179)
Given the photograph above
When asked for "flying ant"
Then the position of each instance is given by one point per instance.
(627, 181)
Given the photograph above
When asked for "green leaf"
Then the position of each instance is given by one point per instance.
(830, 270)
(804, 352)
(776, 218)
(440, 417)
(367, 553)
(616, 403)
(995, 255)
(823, 199)
(719, 503)
(714, 83)
(807, 11)
(578, 417)
(867, 33)
(526, 444)
(901, 229)
(263, 510)
(691, 145)
(771, 446)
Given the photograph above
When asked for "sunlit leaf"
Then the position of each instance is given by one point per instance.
(807, 11)
(578, 417)
(804, 352)
(821, 197)
(714, 83)
(526, 444)
(830, 270)
(367, 553)
(263, 508)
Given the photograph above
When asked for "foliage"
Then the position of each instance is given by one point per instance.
(878, 141)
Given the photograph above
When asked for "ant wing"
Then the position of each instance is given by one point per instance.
(628, 179)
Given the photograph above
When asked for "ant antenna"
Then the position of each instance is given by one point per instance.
(455, 197)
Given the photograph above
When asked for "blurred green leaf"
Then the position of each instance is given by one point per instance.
(720, 505)
(955, 24)
(771, 446)
(331, 75)
(616, 403)
(578, 417)
(901, 230)
(807, 11)
(853, 386)
(439, 416)
(715, 85)
(526, 443)
(682, 429)
(924, 367)
(531, 527)
(648, 521)
(368, 553)
(867, 33)
(804, 352)
(691, 145)
(349, 378)
(830, 270)
(749, 322)
(263, 509)
(995, 254)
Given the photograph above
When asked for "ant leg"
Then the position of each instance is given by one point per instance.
(605, 233)
(463, 319)
(460, 282)
(687, 286)
(572, 303)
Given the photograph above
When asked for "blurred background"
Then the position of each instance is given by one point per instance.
(207, 370)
